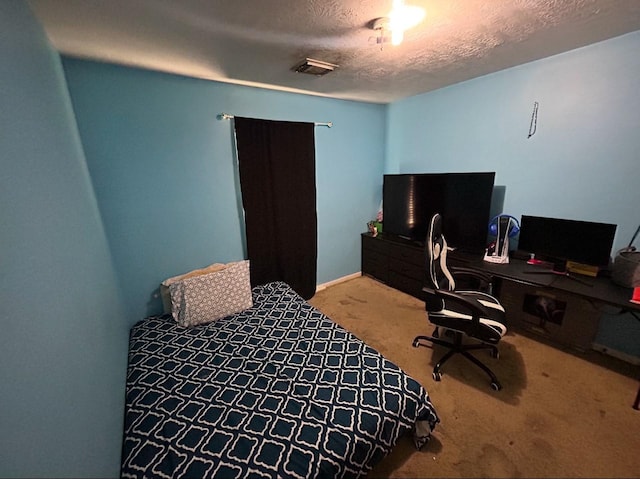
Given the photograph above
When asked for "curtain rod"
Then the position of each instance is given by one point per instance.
(225, 116)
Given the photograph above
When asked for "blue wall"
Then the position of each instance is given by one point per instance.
(582, 162)
(164, 172)
(63, 338)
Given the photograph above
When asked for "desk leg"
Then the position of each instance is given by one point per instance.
(636, 403)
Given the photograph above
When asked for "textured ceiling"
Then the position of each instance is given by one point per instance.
(257, 42)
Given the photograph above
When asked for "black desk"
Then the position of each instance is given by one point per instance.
(563, 309)
(400, 264)
(600, 289)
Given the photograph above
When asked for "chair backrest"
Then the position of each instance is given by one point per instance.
(438, 274)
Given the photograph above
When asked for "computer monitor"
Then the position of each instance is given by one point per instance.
(583, 242)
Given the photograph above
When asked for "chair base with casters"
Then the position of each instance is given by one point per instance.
(457, 347)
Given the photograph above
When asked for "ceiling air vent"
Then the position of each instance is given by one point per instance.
(315, 67)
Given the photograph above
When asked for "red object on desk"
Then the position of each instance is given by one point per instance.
(636, 295)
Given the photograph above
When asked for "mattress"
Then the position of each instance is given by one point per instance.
(278, 390)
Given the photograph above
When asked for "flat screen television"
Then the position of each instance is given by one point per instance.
(584, 242)
(463, 199)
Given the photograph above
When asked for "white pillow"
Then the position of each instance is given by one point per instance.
(208, 297)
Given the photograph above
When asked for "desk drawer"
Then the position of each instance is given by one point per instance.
(405, 284)
(406, 254)
(375, 264)
(372, 243)
(411, 270)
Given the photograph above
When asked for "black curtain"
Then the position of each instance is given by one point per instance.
(278, 183)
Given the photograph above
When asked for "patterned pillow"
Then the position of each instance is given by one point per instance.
(209, 297)
(164, 286)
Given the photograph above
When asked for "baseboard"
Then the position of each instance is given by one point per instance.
(628, 358)
(322, 286)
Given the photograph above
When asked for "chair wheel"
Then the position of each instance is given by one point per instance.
(436, 376)
(496, 386)
(416, 343)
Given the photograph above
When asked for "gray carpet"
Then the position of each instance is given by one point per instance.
(559, 414)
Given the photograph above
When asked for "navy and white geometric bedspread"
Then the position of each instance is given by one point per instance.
(278, 390)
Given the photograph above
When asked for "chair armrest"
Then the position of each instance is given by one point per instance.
(476, 309)
(455, 270)
(484, 279)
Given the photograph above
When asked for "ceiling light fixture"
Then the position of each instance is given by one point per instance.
(401, 18)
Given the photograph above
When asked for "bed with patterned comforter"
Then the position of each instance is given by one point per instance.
(278, 390)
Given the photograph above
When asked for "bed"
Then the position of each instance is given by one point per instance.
(277, 390)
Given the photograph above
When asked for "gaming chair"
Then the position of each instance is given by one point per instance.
(458, 315)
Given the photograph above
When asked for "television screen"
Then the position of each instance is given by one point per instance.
(463, 200)
(584, 242)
